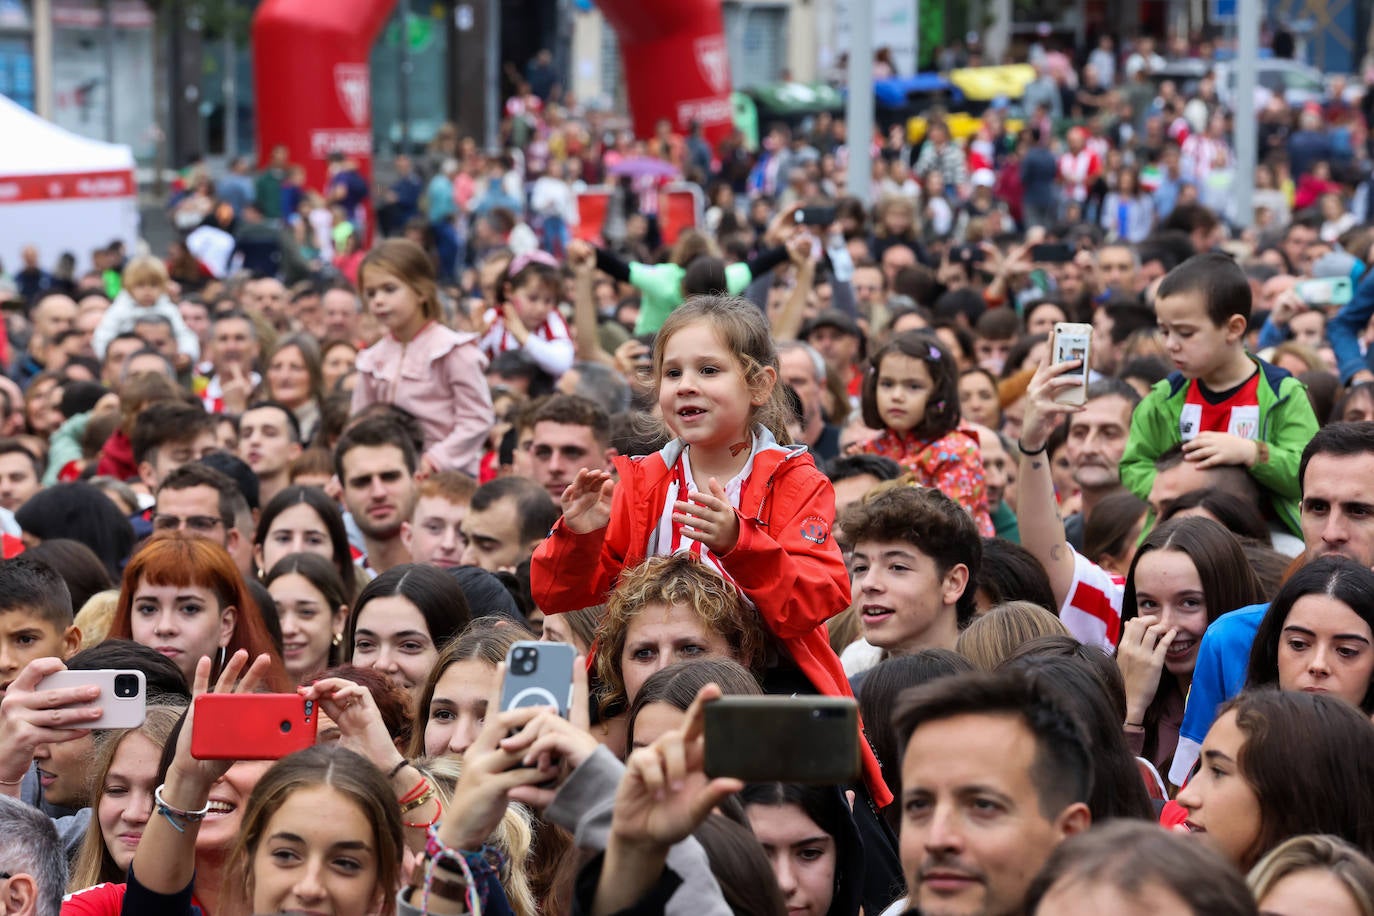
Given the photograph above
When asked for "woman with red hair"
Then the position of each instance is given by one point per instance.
(183, 596)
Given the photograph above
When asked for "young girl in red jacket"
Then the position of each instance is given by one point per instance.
(731, 488)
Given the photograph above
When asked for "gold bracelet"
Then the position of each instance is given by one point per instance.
(418, 802)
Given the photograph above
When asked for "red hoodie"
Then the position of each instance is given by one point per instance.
(117, 457)
(785, 561)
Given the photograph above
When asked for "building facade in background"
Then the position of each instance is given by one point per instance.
(173, 80)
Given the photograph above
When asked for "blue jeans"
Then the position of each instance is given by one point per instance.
(446, 241)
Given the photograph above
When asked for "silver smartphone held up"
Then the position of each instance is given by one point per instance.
(539, 674)
(123, 694)
(1073, 342)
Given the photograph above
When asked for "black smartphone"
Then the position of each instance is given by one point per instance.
(966, 254)
(811, 740)
(816, 216)
(1051, 253)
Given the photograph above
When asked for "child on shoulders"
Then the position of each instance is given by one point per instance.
(1224, 405)
(911, 393)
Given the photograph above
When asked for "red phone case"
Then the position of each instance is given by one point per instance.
(252, 726)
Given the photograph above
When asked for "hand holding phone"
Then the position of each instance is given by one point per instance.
(1072, 342)
(494, 770)
(669, 787)
(238, 677)
(550, 743)
(122, 698)
(30, 717)
(356, 718)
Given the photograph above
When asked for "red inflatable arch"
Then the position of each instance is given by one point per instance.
(313, 89)
(676, 65)
(311, 79)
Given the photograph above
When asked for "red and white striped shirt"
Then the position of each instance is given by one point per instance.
(550, 345)
(1077, 171)
(1200, 155)
(1092, 608)
(669, 538)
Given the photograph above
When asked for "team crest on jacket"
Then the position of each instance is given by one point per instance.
(815, 529)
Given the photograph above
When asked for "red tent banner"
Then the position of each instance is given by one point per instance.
(680, 206)
(676, 65)
(312, 83)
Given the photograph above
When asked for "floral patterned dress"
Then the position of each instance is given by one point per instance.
(952, 464)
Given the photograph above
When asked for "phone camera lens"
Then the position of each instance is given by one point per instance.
(525, 660)
(125, 686)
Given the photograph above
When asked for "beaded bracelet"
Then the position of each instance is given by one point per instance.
(176, 815)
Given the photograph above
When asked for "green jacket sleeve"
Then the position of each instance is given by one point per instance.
(661, 285)
(1291, 424)
(65, 446)
(738, 276)
(1154, 430)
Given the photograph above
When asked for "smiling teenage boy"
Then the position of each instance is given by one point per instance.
(915, 560)
(1224, 405)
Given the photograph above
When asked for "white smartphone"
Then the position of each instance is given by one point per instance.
(1325, 291)
(1073, 342)
(123, 694)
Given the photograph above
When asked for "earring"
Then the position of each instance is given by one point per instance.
(338, 639)
(220, 659)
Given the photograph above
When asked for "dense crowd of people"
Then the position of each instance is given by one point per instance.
(1107, 616)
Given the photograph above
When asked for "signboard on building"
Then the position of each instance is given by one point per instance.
(94, 94)
(894, 28)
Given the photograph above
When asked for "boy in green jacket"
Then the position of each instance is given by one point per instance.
(1224, 405)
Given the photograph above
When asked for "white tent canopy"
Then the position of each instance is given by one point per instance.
(60, 191)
